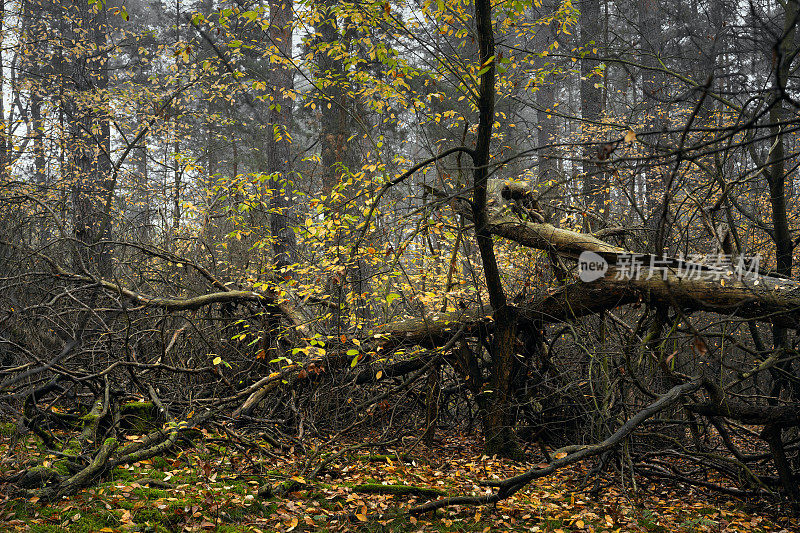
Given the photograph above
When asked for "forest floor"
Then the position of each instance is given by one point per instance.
(213, 484)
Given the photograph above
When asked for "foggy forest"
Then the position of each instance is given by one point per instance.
(390, 265)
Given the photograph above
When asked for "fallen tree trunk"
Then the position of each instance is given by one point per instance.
(768, 299)
(765, 298)
(543, 236)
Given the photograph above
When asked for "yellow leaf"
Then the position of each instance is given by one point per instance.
(630, 136)
(560, 455)
(379, 374)
(579, 524)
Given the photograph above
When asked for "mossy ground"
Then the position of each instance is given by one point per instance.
(213, 486)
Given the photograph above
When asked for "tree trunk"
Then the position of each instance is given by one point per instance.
(279, 163)
(591, 99)
(337, 106)
(776, 177)
(90, 139)
(652, 85)
(545, 101)
(498, 418)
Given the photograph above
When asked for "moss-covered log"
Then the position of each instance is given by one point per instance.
(398, 490)
(139, 417)
(95, 469)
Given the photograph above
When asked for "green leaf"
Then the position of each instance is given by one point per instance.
(354, 362)
(236, 43)
(352, 352)
(392, 297)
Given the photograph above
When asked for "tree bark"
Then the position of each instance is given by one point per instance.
(786, 50)
(279, 163)
(591, 101)
(90, 139)
(494, 402)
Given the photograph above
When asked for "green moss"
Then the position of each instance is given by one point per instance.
(90, 523)
(121, 474)
(126, 504)
(167, 518)
(136, 408)
(61, 467)
(257, 508)
(146, 493)
(237, 486)
(187, 476)
(8, 429)
(231, 528)
(149, 515)
(73, 447)
(38, 476)
(46, 528)
(47, 512)
(139, 417)
(189, 436)
(18, 510)
(160, 463)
